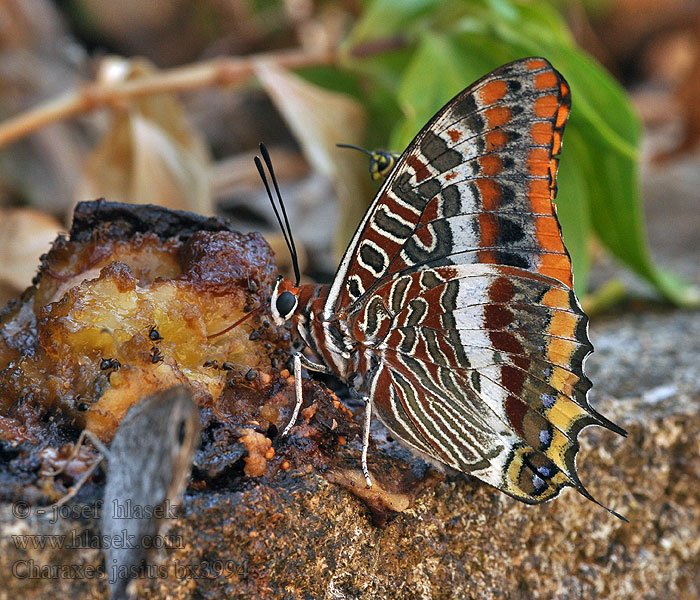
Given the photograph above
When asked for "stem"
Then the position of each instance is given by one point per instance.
(608, 295)
(220, 71)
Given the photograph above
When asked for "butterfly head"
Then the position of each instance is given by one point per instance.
(284, 301)
(285, 297)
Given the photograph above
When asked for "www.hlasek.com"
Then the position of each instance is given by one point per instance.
(30, 569)
(77, 540)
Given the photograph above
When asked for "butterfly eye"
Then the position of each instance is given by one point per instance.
(286, 303)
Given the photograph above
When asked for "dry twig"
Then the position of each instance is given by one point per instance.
(222, 71)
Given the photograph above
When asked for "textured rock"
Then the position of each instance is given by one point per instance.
(295, 535)
(302, 534)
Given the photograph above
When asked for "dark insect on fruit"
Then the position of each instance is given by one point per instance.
(156, 355)
(109, 363)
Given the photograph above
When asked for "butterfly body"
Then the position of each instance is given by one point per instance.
(452, 311)
(330, 340)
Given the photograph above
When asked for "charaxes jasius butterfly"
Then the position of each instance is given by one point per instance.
(452, 311)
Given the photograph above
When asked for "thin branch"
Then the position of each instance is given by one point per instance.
(222, 71)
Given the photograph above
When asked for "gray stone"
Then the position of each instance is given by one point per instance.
(296, 535)
(303, 534)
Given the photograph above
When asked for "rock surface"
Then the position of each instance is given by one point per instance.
(302, 534)
(296, 535)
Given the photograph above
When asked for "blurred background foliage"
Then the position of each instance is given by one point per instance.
(369, 73)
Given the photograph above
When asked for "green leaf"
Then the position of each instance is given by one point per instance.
(618, 220)
(331, 78)
(432, 77)
(447, 45)
(387, 18)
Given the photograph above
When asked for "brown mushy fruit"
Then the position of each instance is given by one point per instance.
(128, 304)
(124, 307)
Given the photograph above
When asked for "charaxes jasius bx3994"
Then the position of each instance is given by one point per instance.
(452, 311)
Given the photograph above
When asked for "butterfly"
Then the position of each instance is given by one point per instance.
(452, 312)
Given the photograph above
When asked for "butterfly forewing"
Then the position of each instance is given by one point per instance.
(474, 186)
(459, 288)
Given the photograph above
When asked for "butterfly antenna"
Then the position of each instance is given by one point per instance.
(261, 171)
(286, 229)
(367, 152)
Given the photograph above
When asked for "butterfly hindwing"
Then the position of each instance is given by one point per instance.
(482, 366)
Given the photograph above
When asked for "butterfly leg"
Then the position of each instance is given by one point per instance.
(297, 391)
(299, 360)
(365, 439)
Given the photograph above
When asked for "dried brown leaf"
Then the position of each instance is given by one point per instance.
(150, 154)
(25, 234)
(319, 120)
